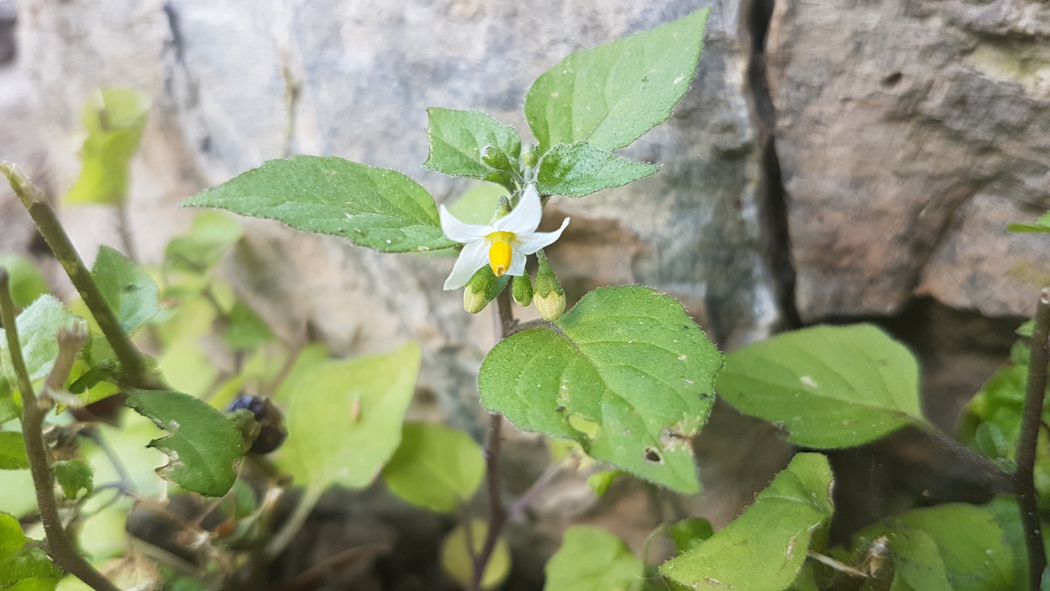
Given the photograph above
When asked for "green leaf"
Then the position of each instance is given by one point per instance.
(27, 282)
(477, 204)
(610, 95)
(344, 417)
(1041, 225)
(601, 481)
(114, 121)
(828, 386)
(211, 235)
(247, 330)
(627, 364)
(765, 547)
(591, 559)
(690, 533)
(74, 476)
(457, 139)
(580, 169)
(22, 562)
(203, 446)
(964, 538)
(1008, 517)
(128, 290)
(38, 327)
(12, 451)
(373, 207)
(435, 467)
(457, 561)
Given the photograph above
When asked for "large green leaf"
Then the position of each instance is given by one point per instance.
(435, 466)
(203, 446)
(625, 373)
(344, 417)
(375, 207)
(610, 95)
(38, 327)
(764, 548)
(128, 290)
(828, 386)
(457, 139)
(114, 121)
(955, 546)
(591, 559)
(580, 169)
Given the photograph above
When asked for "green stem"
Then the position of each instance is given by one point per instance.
(497, 512)
(290, 528)
(59, 546)
(1031, 418)
(136, 373)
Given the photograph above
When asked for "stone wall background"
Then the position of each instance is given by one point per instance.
(834, 161)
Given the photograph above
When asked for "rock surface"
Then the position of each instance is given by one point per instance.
(907, 148)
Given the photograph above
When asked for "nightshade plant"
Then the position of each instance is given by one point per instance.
(625, 374)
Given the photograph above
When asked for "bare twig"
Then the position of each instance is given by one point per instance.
(135, 372)
(1031, 417)
(59, 546)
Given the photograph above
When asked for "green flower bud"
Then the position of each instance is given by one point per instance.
(496, 158)
(529, 156)
(550, 295)
(521, 289)
(482, 288)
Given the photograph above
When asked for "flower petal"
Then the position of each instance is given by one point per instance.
(459, 231)
(474, 256)
(517, 263)
(537, 240)
(525, 218)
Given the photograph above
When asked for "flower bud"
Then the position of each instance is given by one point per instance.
(550, 295)
(482, 288)
(521, 289)
(496, 158)
(529, 157)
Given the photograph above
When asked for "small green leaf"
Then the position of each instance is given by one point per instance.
(627, 364)
(435, 467)
(74, 476)
(38, 327)
(203, 446)
(247, 330)
(610, 95)
(581, 169)
(114, 122)
(12, 451)
(23, 563)
(764, 548)
(964, 538)
(1041, 225)
(344, 417)
(457, 139)
(827, 386)
(211, 235)
(602, 480)
(128, 290)
(590, 559)
(27, 282)
(477, 204)
(456, 559)
(690, 533)
(373, 207)
(1008, 517)
(991, 440)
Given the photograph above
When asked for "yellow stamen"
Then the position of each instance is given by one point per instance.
(500, 252)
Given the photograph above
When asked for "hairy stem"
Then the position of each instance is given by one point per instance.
(497, 512)
(1031, 418)
(132, 362)
(59, 546)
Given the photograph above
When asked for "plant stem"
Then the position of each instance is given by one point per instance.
(497, 512)
(136, 373)
(59, 547)
(295, 522)
(1031, 418)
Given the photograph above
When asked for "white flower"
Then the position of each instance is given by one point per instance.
(503, 245)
